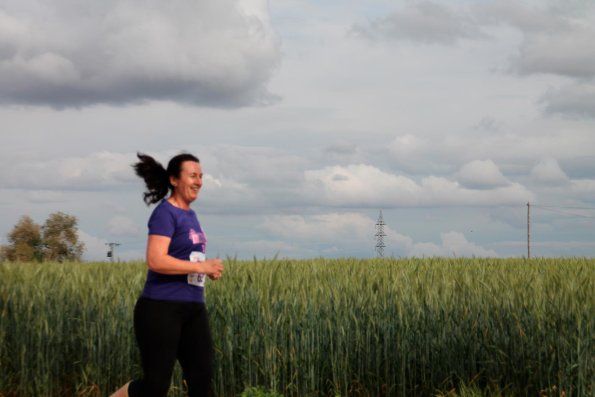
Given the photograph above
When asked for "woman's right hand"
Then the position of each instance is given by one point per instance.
(212, 267)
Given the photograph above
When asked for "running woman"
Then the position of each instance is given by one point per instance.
(170, 317)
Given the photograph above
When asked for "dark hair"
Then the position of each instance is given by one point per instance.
(156, 177)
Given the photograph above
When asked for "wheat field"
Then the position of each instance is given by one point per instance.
(320, 327)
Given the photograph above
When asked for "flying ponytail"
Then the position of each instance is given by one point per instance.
(156, 177)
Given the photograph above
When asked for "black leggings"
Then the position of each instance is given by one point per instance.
(166, 331)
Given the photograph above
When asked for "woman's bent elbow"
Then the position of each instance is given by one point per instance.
(153, 264)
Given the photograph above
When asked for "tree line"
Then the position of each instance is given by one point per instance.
(56, 240)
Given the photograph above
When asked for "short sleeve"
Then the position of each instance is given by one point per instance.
(162, 222)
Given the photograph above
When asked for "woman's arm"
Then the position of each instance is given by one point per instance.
(160, 262)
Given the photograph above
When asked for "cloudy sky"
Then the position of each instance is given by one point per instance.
(309, 117)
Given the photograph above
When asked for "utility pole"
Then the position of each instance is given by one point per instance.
(380, 236)
(111, 252)
(528, 230)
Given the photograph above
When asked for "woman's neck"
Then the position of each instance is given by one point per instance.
(178, 202)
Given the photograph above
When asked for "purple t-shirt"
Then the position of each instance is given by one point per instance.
(186, 235)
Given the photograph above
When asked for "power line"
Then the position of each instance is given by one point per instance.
(563, 206)
(553, 209)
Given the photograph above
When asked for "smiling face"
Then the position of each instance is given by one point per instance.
(188, 184)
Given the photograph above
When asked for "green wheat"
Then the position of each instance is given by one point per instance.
(348, 327)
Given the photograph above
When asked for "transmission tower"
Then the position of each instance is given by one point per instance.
(380, 236)
(110, 253)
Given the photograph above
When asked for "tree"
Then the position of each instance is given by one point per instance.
(60, 238)
(24, 241)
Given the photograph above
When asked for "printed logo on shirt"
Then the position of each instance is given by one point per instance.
(197, 237)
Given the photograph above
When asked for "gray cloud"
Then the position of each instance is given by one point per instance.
(540, 17)
(489, 124)
(514, 150)
(362, 126)
(578, 167)
(73, 54)
(102, 170)
(120, 225)
(342, 148)
(557, 36)
(557, 39)
(572, 100)
(567, 53)
(426, 22)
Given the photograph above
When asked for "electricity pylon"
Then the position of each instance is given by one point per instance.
(380, 236)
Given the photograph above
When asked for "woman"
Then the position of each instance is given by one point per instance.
(170, 317)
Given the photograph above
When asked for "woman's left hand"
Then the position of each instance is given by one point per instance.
(215, 276)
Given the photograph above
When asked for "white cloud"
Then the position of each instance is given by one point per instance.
(441, 190)
(321, 228)
(203, 53)
(453, 244)
(482, 174)
(340, 232)
(548, 171)
(407, 145)
(584, 185)
(96, 250)
(209, 179)
(358, 184)
(333, 234)
(581, 192)
(229, 195)
(367, 186)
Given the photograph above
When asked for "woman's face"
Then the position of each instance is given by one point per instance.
(189, 183)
